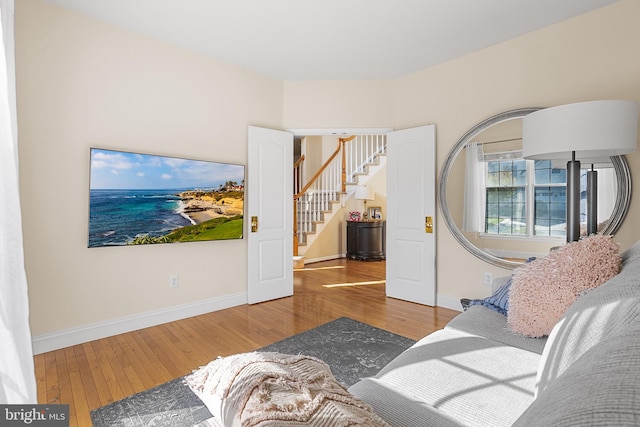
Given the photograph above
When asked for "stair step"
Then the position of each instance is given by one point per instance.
(316, 208)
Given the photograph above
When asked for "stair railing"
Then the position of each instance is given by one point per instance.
(329, 182)
(297, 175)
(321, 190)
(362, 151)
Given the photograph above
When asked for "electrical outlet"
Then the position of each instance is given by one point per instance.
(174, 281)
(488, 278)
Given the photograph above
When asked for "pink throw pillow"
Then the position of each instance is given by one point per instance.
(542, 290)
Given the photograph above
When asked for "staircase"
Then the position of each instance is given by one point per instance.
(354, 160)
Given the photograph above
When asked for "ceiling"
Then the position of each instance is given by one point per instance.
(333, 39)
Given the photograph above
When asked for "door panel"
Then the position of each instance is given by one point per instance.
(411, 189)
(270, 201)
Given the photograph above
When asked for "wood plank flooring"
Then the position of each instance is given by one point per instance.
(96, 373)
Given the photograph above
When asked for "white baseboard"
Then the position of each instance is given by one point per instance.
(447, 301)
(74, 336)
(68, 337)
(324, 258)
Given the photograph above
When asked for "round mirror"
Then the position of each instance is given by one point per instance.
(504, 209)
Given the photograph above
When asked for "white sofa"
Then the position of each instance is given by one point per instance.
(475, 372)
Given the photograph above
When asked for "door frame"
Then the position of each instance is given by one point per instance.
(343, 132)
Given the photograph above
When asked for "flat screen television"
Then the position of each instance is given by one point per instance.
(137, 199)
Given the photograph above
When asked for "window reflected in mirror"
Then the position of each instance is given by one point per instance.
(505, 209)
(529, 197)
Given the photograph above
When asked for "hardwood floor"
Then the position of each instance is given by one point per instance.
(93, 374)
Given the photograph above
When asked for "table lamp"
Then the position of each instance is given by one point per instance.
(364, 193)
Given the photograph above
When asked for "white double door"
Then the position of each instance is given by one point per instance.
(410, 218)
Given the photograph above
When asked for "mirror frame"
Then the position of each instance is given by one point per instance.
(620, 209)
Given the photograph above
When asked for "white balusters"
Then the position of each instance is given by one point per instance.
(327, 188)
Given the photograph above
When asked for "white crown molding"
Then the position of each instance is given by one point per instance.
(68, 337)
(339, 131)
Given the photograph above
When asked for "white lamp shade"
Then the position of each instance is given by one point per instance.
(590, 129)
(364, 193)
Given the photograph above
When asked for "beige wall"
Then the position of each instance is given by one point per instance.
(317, 149)
(84, 84)
(338, 104)
(586, 58)
(312, 149)
(590, 57)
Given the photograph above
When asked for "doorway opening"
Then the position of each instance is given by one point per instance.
(324, 158)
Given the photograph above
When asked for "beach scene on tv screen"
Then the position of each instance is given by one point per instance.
(137, 199)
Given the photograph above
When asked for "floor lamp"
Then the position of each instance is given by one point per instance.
(584, 130)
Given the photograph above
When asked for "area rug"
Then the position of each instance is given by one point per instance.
(352, 349)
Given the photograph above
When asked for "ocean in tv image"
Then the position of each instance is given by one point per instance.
(144, 199)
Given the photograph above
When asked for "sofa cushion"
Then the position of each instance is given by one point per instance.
(489, 324)
(629, 255)
(605, 311)
(395, 408)
(498, 301)
(542, 290)
(471, 380)
(599, 389)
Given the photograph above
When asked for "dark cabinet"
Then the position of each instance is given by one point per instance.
(366, 240)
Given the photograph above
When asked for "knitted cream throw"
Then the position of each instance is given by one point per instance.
(273, 389)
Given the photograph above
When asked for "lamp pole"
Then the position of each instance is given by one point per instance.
(592, 201)
(573, 199)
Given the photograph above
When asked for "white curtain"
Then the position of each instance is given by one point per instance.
(607, 191)
(474, 189)
(17, 378)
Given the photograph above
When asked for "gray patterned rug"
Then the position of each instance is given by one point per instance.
(352, 349)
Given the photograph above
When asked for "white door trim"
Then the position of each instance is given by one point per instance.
(339, 131)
